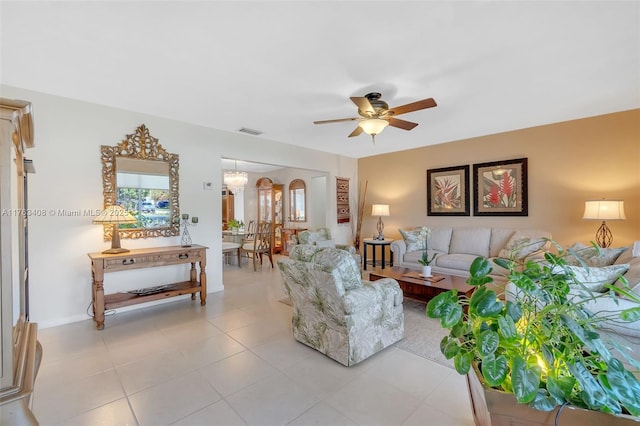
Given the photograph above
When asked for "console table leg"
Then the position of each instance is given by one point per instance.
(203, 284)
(192, 277)
(98, 305)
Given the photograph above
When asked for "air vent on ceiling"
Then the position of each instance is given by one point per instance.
(250, 131)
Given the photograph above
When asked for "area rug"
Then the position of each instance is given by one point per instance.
(422, 335)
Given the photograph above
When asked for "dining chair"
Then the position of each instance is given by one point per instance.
(260, 244)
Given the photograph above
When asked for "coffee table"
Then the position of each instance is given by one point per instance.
(419, 289)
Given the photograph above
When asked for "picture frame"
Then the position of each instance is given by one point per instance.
(500, 188)
(448, 191)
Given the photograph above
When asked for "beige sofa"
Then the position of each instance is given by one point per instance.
(457, 247)
(624, 261)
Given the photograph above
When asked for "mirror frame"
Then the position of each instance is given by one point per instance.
(294, 185)
(140, 145)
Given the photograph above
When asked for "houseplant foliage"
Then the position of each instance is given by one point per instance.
(424, 260)
(541, 348)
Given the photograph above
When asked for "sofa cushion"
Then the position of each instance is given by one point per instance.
(591, 257)
(325, 243)
(471, 241)
(455, 261)
(440, 239)
(313, 236)
(595, 278)
(499, 238)
(522, 244)
(343, 262)
(413, 239)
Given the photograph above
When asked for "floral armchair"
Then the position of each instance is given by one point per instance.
(334, 310)
(322, 238)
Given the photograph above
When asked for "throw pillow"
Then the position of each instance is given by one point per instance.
(412, 239)
(521, 246)
(595, 278)
(632, 276)
(590, 255)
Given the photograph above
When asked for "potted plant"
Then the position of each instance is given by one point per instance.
(235, 225)
(540, 349)
(424, 260)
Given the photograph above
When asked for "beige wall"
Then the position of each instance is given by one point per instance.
(568, 163)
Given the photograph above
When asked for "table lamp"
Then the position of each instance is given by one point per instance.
(380, 210)
(604, 210)
(114, 215)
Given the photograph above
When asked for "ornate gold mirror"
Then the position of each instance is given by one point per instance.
(297, 201)
(141, 176)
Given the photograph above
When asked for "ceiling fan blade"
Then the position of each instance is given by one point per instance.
(356, 132)
(338, 120)
(413, 106)
(363, 105)
(401, 124)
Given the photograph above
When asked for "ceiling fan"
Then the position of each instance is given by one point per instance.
(375, 114)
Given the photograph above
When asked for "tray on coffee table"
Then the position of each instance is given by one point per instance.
(419, 288)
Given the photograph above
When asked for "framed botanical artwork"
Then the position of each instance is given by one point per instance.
(448, 191)
(500, 188)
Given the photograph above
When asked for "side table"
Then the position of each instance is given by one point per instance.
(376, 243)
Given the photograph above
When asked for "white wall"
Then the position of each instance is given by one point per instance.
(68, 178)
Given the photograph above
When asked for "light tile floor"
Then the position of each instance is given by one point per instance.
(232, 362)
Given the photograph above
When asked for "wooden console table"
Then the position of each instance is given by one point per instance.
(146, 258)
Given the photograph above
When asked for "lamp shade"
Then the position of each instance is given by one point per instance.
(114, 214)
(604, 210)
(373, 126)
(380, 210)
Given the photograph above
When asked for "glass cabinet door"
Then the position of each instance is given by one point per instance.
(271, 208)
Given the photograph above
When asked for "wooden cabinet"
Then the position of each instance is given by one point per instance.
(227, 207)
(271, 209)
(102, 263)
(287, 238)
(20, 352)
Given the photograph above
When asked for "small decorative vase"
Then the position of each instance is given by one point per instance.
(426, 270)
(234, 231)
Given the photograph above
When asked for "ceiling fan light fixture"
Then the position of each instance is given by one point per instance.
(373, 126)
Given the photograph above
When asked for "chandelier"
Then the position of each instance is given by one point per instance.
(235, 180)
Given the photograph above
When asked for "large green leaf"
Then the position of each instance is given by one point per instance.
(514, 310)
(442, 303)
(449, 347)
(592, 393)
(630, 315)
(624, 386)
(589, 338)
(560, 390)
(507, 327)
(525, 380)
(480, 267)
(503, 263)
(494, 369)
(479, 272)
(485, 303)
(542, 401)
(462, 362)
(487, 343)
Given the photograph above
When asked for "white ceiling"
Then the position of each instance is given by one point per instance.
(278, 66)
